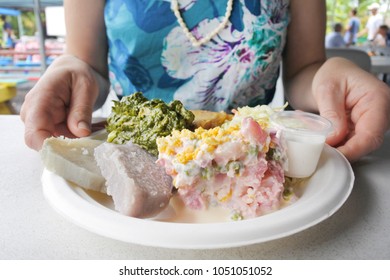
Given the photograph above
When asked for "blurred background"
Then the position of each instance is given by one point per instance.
(339, 11)
(32, 35)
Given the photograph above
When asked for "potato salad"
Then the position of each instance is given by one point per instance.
(238, 165)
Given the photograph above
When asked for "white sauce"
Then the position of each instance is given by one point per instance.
(304, 135)
(176, 212)
(303, 153)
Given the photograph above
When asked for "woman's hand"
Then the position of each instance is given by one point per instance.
(356, 102)
(62, 101)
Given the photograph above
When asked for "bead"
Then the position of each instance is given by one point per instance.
(195, 42)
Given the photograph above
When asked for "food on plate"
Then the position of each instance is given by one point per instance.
(73, 159)
(238, 165)
(305, 135)
(138, 186)
(209, 119)
(141, 121)
(205, 159)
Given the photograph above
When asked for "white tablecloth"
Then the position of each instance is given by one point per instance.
(31, 229)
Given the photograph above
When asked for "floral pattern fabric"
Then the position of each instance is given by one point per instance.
(149, 52)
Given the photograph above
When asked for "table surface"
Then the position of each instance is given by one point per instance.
(31, 229)
(380, 64)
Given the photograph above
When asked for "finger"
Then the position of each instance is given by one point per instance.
(360, 145)
(43, 115)
(81, 108)
(35, 138)
(370, 123)
(331, 105)
(37, 129)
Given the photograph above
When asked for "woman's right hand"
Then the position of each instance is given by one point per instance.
(62, 101)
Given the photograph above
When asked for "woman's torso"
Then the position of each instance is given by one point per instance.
(149, 52)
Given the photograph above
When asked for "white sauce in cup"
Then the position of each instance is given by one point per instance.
(304, 135)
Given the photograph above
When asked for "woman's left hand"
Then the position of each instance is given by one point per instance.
(356, 102)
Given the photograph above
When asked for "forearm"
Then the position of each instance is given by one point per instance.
(86, 40)
(304, 53)
(298, 89)
(362, 33)
(349, 39)
(86, 33)
(104, 88)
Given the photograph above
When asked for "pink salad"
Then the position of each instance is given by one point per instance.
(238, 165)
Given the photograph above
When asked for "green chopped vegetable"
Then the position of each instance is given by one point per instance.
(237, 216)
(141, 121)
(288, 193)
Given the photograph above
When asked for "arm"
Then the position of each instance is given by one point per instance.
(86, 39)
(304, 52)
(348, 29)
(86, 33)
(364, 31)
(349, 26)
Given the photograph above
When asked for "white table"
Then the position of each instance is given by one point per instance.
(31, 229)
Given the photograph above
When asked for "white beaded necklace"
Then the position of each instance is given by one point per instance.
(195, 42)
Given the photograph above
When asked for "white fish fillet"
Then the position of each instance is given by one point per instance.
(139, 187)
(73, 159)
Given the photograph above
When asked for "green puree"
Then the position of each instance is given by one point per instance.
(141, 121)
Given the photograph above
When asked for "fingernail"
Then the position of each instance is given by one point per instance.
(84, 125)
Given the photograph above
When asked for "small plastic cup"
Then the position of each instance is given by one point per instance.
(304, 135)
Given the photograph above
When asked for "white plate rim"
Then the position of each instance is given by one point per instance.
(321, 199)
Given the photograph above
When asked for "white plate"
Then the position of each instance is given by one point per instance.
(325, 193)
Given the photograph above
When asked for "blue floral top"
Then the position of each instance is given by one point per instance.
(149, 52)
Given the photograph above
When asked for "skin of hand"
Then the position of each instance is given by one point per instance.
(357, 104)
(62, 101)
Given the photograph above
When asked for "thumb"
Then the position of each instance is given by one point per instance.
(81, 107)
(79, 120)
(331, 105)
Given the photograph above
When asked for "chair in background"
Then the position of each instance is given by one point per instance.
(359, 57)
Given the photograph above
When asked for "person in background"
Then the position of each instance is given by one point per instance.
(335, 39)
(8, 40)
(381, 38)
(212, 55)
(388, 37)
(351, 31)
(374, 21)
